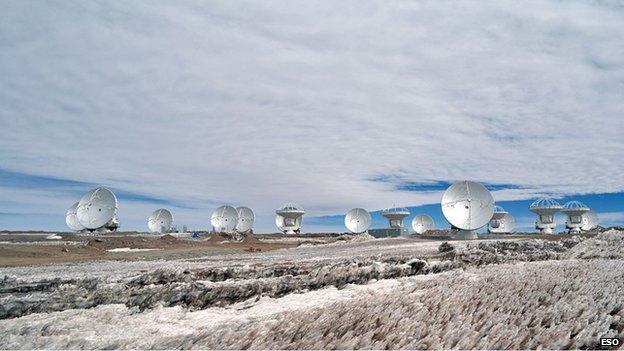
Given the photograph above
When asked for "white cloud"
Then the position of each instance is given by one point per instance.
(259, 103)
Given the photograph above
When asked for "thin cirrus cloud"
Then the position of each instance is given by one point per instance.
(195, 104)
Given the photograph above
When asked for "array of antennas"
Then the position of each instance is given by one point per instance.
(466, 205)
(95, 212)
(579, 216)
(229, 219)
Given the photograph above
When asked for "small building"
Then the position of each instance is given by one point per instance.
(387, 232)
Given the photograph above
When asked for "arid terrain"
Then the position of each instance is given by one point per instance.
(129, 290)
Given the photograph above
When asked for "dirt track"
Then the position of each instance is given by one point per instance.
(35, 249)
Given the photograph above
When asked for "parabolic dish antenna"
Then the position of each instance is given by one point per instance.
(590, 220)
(545, 209)
(575, 211)
(395, 216)
(97, 208)
(422, 223)
(160, 221)
(508, 223)
(224, 219)
(495, 223)
(288, 218)
(501, 222)
(246, 219)
(72, 220)
(279, 223)
(468, 206)
(358, 220)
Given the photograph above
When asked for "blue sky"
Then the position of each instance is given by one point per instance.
(194, 104)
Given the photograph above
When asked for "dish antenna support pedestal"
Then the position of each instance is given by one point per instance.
(463, 234)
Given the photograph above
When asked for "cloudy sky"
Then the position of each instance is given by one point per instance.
(192, 104)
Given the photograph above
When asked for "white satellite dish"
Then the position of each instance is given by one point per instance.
(422, 223)
(545, 208)
(224, 219)
(590, 221)
(279, 223)
(467, 206)
(395, 216)
(160, 221)
(246, 219)
(575, 211)
(502, 222)
(72, 220)
(288, 218)
(358, 220)
(97, 209)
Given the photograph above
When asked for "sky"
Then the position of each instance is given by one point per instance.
(189, 105)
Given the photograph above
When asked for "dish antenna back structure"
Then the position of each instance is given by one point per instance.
(575, 211)
(246, 219)
(97, 210)
(72, 220)
(467, 206)
(502, 222)
(395, 216)
(545, 208)
(422, 223)
(160, 221)
(358, 220)
(288, 218)
(590, 221)
(224, 219)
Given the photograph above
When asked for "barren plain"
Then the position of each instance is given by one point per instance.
(67, 291)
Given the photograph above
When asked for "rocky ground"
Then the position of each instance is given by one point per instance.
(355, 292)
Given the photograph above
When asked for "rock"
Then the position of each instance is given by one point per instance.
(445, 247)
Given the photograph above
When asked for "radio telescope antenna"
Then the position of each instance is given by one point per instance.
(97, 209)
(358, 220)
(288, 218)
(72, 220)
(160, 221)
(422, 223)
(224, 219)
(395, 216)
(246, 219)
(467, 206)
(545, 208)
(501, 222)
(590, 220)
(279, 223)
(575, 211)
